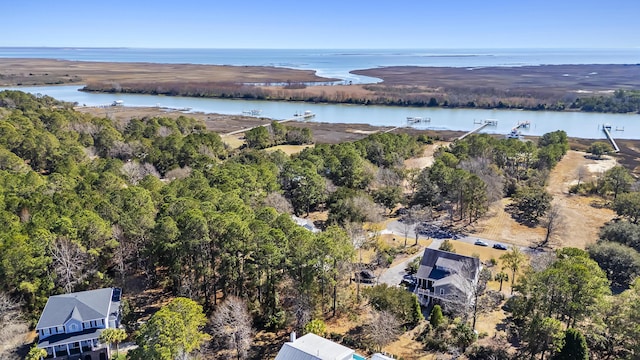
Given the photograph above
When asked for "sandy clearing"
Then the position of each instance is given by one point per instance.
(581, 219)
(427, 156)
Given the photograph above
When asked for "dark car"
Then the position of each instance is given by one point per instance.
(365, 276)
(499, 247)
(408, 280)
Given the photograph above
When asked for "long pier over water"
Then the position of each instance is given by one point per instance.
(306, 115)
(486, 123)
(607, 131)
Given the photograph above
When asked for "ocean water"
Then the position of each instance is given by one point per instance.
(337, 63)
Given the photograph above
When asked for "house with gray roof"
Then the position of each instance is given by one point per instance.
(71, 324)
(314, 347)
(446, 277)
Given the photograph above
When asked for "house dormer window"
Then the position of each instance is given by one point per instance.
(73, 327)
(441, 291)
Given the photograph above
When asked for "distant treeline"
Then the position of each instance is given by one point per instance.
(622, 101)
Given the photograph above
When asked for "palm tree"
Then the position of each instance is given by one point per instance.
(513, 260)
(113, 336)
(502, 276)
(36, 353)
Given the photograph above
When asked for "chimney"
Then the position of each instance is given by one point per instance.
(292, 337)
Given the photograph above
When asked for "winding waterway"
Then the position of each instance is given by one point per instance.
(576, 124)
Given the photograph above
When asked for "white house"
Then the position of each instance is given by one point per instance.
(71, 324)
(314, 347)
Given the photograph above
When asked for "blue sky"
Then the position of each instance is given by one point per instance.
(322, 24)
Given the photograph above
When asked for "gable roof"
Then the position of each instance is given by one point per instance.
(80, 306)
(313, 347)
(433, 258)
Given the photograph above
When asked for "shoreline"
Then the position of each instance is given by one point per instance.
(536, 88)
(332, 133)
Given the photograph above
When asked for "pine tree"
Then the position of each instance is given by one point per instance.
(574, 348)
(436, 318)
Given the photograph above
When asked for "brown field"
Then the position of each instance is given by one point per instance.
(526, 86)
(581, 220)
(49, 71)
(563, 78)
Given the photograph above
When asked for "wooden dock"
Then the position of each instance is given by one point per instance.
(607, 131)
(488, 122)
(301, 117)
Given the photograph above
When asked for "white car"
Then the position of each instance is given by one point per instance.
(480, 243)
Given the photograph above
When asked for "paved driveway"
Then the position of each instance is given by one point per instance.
(393, 275)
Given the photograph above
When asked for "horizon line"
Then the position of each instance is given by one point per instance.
(318, 48)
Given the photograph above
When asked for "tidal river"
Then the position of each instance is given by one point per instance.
(576, 124)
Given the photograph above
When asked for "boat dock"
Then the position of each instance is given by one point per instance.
(253, 112)
(486, 123)
(305, 115)
(607, 131)
(417, 120)
(515, 131)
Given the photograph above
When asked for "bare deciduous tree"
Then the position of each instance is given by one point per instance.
(358, 238)
(388, 177)
(582, 173)
(464, 300)
(278, 202)
(485, 170)
(135, 171)
(370, 211)
(418, 214)
(12, 326)
(382, 329)
(408, 224)
(120, 253)
(552, 222)
(231, 324)
(178, 173)
(69, 261)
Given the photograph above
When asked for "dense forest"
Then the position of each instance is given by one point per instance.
(87, 202)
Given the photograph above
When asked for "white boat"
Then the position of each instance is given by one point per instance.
(514, 134)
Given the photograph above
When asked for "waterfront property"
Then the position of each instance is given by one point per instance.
(446, 277)
(71, 324)
(575, 124)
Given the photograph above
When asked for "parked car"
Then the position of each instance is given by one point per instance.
(480, 243)
(365, 276)
(409, 280)
(499, 246)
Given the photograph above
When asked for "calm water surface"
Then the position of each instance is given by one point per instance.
(576, 124)
(338, 64)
